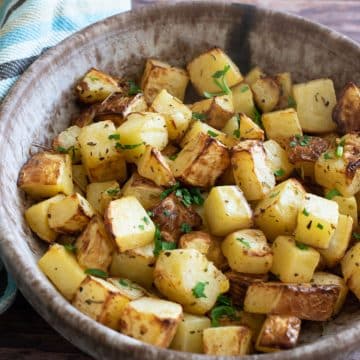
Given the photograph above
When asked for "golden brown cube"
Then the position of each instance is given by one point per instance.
(204, 66)
(201, 161)
(153, 321)
(96, 86)
(252, 172)
(242, 127)
(70, 215)
(279, 332)
(145, 190)
(266, 93)
(216, 111)
(198, 240)
(227, 340)
(46, 174)
(159, 75)
(285, 83)
(94, 248)
(243, 99)
(153, 166)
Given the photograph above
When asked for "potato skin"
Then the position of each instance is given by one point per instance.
(346, 112)
(170, 214)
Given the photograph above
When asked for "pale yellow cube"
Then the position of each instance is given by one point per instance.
(203, 67)
(281, 125)
(251, 169)
(159, 75)
(242, 127)
(99, 194)
(226, 210)
(266, 93)
(98, 152)
(317, 221)
(67, 142)
(278, 159)
(176, 114)
(189, 334)
(339, 242)
(247, 251)
(37, 218)
(70, 215)
(324, 278)
(136, 264)
(129, 224)
(347, 206)
(315, 101)
(227, 341)
(243, 100)
(293, 262)
(216, 111)
(153, 321)
(153, 166)
(277, 213)
(61, 267)
(46, 174)
(140, 129)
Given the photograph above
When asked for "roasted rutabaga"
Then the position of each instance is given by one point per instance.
(215, 225)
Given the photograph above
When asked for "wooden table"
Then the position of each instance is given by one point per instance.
(24, 334)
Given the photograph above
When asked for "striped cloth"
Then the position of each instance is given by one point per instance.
(27, 29)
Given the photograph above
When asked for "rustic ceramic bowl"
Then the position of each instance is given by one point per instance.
(40, 105)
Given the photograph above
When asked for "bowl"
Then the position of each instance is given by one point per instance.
(41, 102)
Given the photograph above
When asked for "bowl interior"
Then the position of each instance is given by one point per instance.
(42, 102)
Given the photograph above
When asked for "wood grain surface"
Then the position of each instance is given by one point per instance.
(24, 335)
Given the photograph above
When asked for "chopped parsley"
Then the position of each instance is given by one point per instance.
(236, 132)
(279, 172)
(70, 248)
(340, 148)
(97, 272)
(114, 137)
(356, 236)
(244, 242)
(141, 227)
(167, 213)
(150, 213)
(173, 157)
(188, 196)
(198, 290)
(61, 150)
(146, 220)
(160, 244)
(220, 81)
(212, 133)
(291, 102)
(327, 156)
(256, 116)
(305, 212)
(198, 116)
(113, 192)
(185, 228)
(320, 226)
(119, 146)
(274, 194)
(332, 193)
(293, 143)
(133, 88)
(124, 283)
(223, 307)
(301, 246)
(244, 89)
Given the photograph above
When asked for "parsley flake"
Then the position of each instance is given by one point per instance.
(161, 245)
(305, 212)
(291, 102)
(114, 137)
(198, 116)
(97, 272)
(212, 134)
(198, 290)
(320, 226)
(279, 172)
(256, 116)
(113, 192)
(133, 88)
(119, 146)
(356, 236)
(332, 193)
(327, 156)
(244, 242)
(141, 227)
(173, 157)
(70, 248)
(236, 132)
(301, 246)
(185, 228)
(146, 220)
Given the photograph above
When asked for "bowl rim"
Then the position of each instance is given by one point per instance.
(96, 333)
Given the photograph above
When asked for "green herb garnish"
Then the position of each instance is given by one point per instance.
(244, 242)
(223, 307)
(301, 246)
(332, 193)
(220, 81)
(305, 212)
(274, 194)
(236, 132)
(291, 102)
(61, 150)
(114, 137)
(185, 228)
(119, 146)
(160, 244)
(244, 89)
(97, 272)
(173, 157)
(279, 172)
(327, 156)
(70, 248)
(113, 192)
(141, 227)
(320, 226)
(124, 282)
(133, 88)
(146, 220)
(356, 236)
(340, 148)
(198, 290)
(198, 116)
(256, 116)
(212, 133)
(188, 196)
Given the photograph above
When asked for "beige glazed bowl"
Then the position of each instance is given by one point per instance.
(41, 103)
